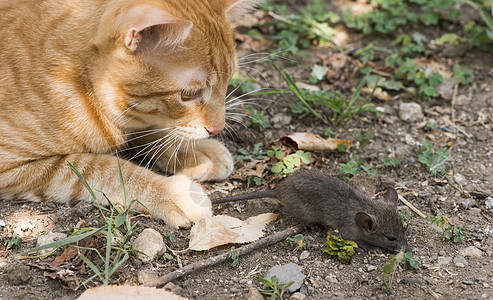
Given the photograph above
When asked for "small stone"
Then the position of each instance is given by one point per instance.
(370, 268)
(286, 273)
(460, 261)
(306, 86)
(410, 112)
(435, 228)
(234, 289)
(411, 280)
(280, 120)
(331, 278)
(489, 203)
(254, 294)
(147, 276)
(471, 251)
(2, 223)
(468, 203)
(304, 255)
(446, 88)
(47, 239)
(151, 243)
(18, 275)
(461, 100)
(444, 260)
(459, 178)
(455, 50)
(297, 296)
(467, 282)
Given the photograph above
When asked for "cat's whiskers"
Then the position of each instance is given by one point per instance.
(138, 135)
(122, 114)
(267, 56)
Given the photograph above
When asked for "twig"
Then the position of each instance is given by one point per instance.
(412, 207)
(189, 269)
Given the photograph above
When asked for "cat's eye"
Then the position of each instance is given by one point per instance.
(391, 238)
(190, 95)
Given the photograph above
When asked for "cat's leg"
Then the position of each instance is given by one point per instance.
(176, 199)
(201, 160)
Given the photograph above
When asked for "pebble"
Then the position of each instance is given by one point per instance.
(286, 273)
(297, 296)
(460, 261)
(444, 260)
(147, 276)
(471, 251)
(49, 238)
(468, 203)
(461, 100)
(254, 294)
(467, 282)
(489, 203)
(331, 278)
(149, 242)
(171, 287)
(411, 280)
(18, 275)
(2, 223)
(410, 112)
(446, 88)
(370, 268)
(281, 120)
(304, 255)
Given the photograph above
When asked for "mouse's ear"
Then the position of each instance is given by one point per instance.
(366, 222)
(391, 197)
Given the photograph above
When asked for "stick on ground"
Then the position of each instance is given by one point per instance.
(191, 268)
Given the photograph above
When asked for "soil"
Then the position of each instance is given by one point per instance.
(445, 271)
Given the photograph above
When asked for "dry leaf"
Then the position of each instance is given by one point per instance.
(379, 93)
(124, 292)
(220, 230)
(254, 168)
(310, 142)
(434, 66)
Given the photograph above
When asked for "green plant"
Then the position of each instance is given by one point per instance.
(257, 119)
(336, 245)
(354, 167)
(464, 76)
(363, 138)
(450, 232)
(117, 233)
(434, 160)
(298, 241)
(273, 288)
(405, 218)
(405, 258)
(234, 256)
(257, 153)
(289, 163)
(296, 32)
(391, 161)
(242, 84)
(13, 243)
(255, 180)
(343, 110)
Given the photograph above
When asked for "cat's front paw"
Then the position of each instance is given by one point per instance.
(210, 160)
(184, 202)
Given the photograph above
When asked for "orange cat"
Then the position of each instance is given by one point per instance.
(79, 79)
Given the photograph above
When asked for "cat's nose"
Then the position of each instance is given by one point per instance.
(213, 131)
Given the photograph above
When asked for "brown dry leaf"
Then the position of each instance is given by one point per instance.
(310, 142)
(379, 93)
(254, 168)
(220, 230)
(125, 292)
(65, 257)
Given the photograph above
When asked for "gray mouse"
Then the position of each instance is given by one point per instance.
(314, 197)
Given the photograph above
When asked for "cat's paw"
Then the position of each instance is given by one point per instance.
(210, 160)
(184, 202)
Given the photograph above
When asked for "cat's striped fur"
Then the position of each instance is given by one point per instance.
(79, 78)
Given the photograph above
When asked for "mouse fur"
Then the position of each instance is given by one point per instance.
(312, 196)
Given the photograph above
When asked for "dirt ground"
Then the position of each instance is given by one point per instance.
(447, 270)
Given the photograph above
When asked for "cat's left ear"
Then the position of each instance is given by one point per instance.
(234, 7)
(152, 27)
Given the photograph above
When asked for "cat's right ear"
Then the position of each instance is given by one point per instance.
(151, 27)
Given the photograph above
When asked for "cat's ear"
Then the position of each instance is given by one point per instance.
(151, 27)
(234, 7)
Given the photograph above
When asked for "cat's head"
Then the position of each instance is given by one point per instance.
(167, 64)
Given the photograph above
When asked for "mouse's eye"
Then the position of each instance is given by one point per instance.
(391, 238)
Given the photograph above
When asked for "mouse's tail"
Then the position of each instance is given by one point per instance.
(247, 196)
